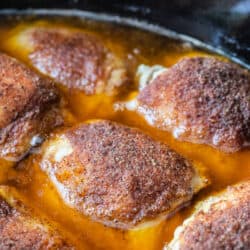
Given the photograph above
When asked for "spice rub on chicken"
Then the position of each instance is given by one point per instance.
(20, 229)
(76, 59)
(118, 175)
(221, 222)
(28, 108)
(201, 100)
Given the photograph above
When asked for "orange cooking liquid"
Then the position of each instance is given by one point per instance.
(135, 47)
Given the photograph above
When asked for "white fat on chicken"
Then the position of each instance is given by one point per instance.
(144, 76)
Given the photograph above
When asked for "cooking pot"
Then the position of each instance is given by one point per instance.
(221, 26)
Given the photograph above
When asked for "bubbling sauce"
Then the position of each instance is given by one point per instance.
(135, 47)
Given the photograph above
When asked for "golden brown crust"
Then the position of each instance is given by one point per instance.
(20, 230)
(202, 100)
(226, 224)
(119, 175)
(77, 60)
(28, 107)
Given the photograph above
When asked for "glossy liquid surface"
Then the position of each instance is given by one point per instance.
(135, 47)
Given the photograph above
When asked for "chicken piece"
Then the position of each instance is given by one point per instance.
(118, 175)
(200, 100)
(75, 59)
(20, 229)
(28, 109)
(221, 222)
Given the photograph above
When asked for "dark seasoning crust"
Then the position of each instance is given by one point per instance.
(77, 60)
(21, 231)
(225, 226)
(121, 176)
(28, 107)
(209, 97)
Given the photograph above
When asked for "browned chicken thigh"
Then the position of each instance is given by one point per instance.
(20, 229)
(75, 59)
(28, 108)
(201, 100)
(117, 174)
(221, 222)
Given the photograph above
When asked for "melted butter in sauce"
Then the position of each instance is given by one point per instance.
(141, 47)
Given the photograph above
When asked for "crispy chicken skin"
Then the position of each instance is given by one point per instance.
(28, 108)
(19, 229)
(76, 59)
(118, 175)
(221, 222)
(201, 100)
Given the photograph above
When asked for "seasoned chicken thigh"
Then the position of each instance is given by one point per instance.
(201, 100)
(118, 175)
(20, 229)
(28, 108)
(75, 59)
(221, 222)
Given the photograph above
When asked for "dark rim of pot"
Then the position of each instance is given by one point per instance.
(128, 21)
